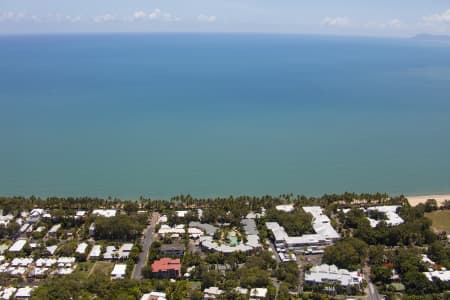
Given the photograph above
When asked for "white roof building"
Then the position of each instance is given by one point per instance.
(81, 248)
(21, 261)
(154, 296)
(96, 251)
(212, 292)
(119, 271)
(392, 218)
(24, 228)
(52, 249)
(258, 293)
(442, 275)
(330, 273)
(7, 292)
(107, 213)
(127, 247)
(4, 220)
(24, 293)
(179, 230)
(285, 207)
(80, 213)
(162, 219)
(181, 213)
(54, 229)
(45, 262)
(324, 232)
(110, 252)
(17, 246)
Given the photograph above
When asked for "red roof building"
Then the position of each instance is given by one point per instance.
(166, 268)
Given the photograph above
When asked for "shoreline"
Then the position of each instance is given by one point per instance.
(415, 200)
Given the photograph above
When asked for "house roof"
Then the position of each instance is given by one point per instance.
(166, 264)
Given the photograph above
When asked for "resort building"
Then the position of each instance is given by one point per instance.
(206, 228)
(166, 268)
(285, 207)
(331, 274)
(442, 275)
(390, 211)
(324, 234)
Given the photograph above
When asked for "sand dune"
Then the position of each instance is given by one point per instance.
(414, 200)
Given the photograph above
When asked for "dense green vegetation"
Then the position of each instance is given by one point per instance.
(119, 228)
(295, 223)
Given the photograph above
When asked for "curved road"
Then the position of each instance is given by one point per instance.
(146, 243)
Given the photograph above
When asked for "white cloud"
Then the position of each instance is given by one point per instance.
(337, 21)
(17, 17)
(139, 15)
(13, 16)
(105, 18)
(392, 24)
(438, 18)
(205, 18)
(155, 15)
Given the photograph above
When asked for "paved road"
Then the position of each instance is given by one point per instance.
(146, 243)
(373, 292)
(372, 289)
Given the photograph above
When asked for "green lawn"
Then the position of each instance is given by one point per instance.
(440, 219)
(102, 267)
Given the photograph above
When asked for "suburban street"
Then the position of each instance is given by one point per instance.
(373, 292)
(146, 243)
(371, 288)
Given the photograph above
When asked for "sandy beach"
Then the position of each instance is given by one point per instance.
(414, 200)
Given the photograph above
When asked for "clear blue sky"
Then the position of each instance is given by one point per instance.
(344, 17)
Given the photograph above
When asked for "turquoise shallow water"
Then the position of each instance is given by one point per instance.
(213, 114)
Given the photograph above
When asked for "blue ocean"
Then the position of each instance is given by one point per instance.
(157, 115)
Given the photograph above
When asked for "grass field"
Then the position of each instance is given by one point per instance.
(102, 267)
(440, 219)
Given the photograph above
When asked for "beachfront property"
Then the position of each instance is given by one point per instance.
(443, 275)
(285, 207)
(251, 244)
(332, 274)
(390, 211)
(324, 234)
